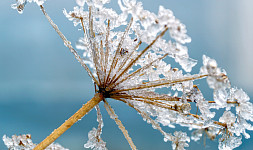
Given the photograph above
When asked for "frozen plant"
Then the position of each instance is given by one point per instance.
(123, 71)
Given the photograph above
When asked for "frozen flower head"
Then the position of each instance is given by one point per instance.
(217, 78)
(20, 4)
(24, 142)
(228, 117)
(124, 54)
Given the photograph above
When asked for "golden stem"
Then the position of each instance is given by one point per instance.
(152, 98)
(228, 102)
(68, 123)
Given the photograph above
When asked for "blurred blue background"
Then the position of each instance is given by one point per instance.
(41, 84)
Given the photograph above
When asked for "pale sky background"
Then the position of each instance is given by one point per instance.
(41, 84)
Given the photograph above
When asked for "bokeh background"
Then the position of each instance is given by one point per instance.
(41, 84)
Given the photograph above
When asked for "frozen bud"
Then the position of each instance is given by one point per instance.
(240, 96)
(39, 2)
(218, 82)
(180, 140)
(19, 5)
(216, 79)
(182, 57)
(18, 142)
(186, 107)
(228, 117)
(76, 15)
(80, 2)
(245, 110)
(209, 66)
(220, 97)
(175, 69)
(94, 141)
(178, 32)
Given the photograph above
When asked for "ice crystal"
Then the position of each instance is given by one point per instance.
(24, 142)
(229, 142)
(228, 117)
(180, 140)
(211, 133)
(95, 142)
(217, 78)
(123, 71)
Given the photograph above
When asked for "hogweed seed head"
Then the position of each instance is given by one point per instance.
(129, 66)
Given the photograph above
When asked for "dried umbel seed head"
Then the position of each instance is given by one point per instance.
(129, 66)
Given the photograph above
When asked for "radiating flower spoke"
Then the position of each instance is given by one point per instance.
(119, 123)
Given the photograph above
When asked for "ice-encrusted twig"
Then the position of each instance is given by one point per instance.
(95, 141)
(119, 123)
(68, 44)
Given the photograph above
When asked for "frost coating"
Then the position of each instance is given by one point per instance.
(229, 143)
(180, 140)
(94, 142)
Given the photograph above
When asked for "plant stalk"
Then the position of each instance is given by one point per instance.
(68, 123)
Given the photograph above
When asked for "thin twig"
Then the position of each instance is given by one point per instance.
(94, 47)
(147, 117)
(107, 49)
(100, 123)
(115, 59)
(161, 83)
(119, 123)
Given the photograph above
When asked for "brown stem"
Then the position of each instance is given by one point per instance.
(160, 82)
(68, 123)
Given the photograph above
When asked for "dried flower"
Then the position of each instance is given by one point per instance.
(122, 70)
